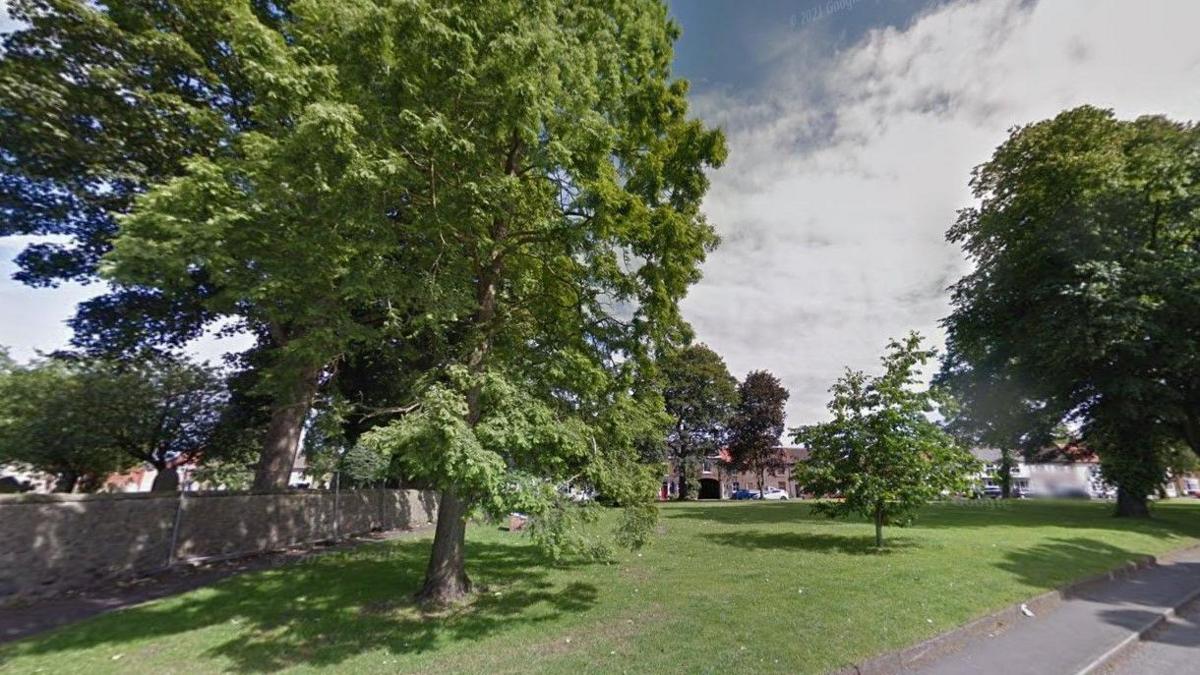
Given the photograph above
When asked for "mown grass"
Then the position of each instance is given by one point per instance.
(765, 587)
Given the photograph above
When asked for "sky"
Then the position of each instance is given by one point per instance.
(853, 126)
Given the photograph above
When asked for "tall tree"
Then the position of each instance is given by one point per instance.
(554, 205)
(700, 397)
(302, 228)
(100, 101)
(1086, 247)
(757, 425)
(881, 452)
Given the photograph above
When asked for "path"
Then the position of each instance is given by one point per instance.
(1174, 647)
(1094, 628)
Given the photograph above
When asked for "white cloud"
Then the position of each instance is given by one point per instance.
(846, 170)
(34, 320)
(7, 23)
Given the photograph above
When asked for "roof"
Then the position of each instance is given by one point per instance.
(797, 454)
(989, 455)
(793, 454)
(1072, 452)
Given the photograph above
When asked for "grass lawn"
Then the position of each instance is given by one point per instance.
(747, 586)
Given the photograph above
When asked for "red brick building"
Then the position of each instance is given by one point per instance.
(718, 482)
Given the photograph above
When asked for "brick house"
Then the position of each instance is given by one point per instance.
(718, 482)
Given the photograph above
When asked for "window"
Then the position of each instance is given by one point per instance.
(783, 486)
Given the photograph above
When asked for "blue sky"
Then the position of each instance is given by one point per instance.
(853, 126)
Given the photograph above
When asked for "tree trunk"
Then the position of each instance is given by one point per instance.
(446, 579)
(878, 526)
(683, 491)
(166, 480)
(1006, 466)
(1131, 505)
(283, 433)
(66, 481)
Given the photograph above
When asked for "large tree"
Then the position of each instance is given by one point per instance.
(757, 425)
(1086, 287)
(882, 453)
(101, 101)
(555, 209)
(700, 396)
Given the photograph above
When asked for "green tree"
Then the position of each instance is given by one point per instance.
(1085, 290)
(88, 418)
(756, 426)
(700, 397)
(43, 427)
(881, 452)
(98, 101)
(555, 205)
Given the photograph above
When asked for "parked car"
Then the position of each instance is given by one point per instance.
(775, 494)
(744, 494)
(1071, 493)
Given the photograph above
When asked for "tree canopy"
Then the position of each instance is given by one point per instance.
(82, 419)
(560, 196)
(1086, 290)
(700, 397)
(757, 424)
(882, 453)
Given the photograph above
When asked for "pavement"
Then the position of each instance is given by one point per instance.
(1173, 647)
(1130, 622)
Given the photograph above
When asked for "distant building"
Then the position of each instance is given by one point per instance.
(718, 482)
(1065, 470)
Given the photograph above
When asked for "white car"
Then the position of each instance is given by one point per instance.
(775, 493)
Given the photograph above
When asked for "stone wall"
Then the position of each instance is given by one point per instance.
(55, 543)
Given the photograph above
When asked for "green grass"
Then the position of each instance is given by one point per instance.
(764, 587)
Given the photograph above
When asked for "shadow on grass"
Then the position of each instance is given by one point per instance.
(334, 608)
(742, 513)
(817, 543)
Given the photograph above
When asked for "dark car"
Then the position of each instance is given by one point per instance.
(744, 494)
(1071, 493)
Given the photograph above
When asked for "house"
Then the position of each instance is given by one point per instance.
(1055, 470)
(718, 482)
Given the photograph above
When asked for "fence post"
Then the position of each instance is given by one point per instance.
(337, 492)
(175, 528)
